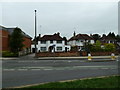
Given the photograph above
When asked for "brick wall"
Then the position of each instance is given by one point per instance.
(27, 42)
(4, 38)
(57, 54)
(102, 53)
(72, 54)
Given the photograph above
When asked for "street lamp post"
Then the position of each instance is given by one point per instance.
(35, 32)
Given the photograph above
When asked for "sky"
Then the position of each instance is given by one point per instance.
(64, 17)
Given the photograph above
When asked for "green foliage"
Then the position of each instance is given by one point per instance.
(9, 54)
(110, 47)
(90, 47)
(118, 38)
(16, 40)
(74, 48)
(96, 37)
(111, 35)
(97, 47)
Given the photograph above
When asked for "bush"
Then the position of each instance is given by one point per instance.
(98, 47)
(74, 48)
(110, 47)
(9, 54)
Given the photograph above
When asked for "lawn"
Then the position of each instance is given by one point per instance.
(106, 82)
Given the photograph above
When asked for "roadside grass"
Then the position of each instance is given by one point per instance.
(106, 82)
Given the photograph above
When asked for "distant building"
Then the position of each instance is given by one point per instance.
(107, 39)
(52, 43)
(4, 39)
(5, 34)
(80, 40)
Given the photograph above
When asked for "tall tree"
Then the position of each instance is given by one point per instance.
(118, 38)
(111, 35)
(16, 40)
(96, 37)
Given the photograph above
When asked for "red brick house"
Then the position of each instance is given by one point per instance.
(4, 36)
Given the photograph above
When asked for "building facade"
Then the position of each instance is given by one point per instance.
(5, 36)
(80, 40)
(4, 39)
(107, 39)
(52, 43)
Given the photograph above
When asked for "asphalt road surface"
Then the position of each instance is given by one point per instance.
(25, 72)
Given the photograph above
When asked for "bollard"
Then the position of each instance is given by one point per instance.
(113, 56)
(89, 57)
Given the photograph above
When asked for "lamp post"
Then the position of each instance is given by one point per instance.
(35, 32)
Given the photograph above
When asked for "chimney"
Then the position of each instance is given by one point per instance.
(74, 34)
(39, 35)
(58, 33)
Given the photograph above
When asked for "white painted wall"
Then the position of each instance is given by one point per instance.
(48, 44)
(79, 42)
(33, 46)
(92, 41)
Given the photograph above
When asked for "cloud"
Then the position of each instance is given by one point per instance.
(86, 17)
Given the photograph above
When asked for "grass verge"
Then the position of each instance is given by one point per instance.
(105, 82)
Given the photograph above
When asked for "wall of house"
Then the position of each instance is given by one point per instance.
(48, 44)
(27, 43)
(92, 41)
(4, 38)
(72, 43)
(79, 42)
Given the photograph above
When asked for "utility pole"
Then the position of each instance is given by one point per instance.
(35, 32)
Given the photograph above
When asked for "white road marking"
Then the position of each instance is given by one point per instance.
(35, 69)
(8, 69)
(47, 69)
(60, 68)
(22, 69)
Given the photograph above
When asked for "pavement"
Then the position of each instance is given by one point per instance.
(32, 57)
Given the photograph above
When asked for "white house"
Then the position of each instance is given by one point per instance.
(52, 43)
(80, 40)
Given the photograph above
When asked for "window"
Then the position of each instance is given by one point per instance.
(81, 40)
(59, 41)
(59, 48)
(43, 42)
(51, 41)
(43, 48)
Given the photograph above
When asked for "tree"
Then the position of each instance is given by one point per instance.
(118, 38)
(97, 46)
(111, 35)
(103, 35)
(16, 40)
(96, 37)
(110, 47)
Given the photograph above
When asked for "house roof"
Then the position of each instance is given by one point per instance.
(2, 28)
(10, 30)
(51, 37)
(107, 38)
(81, 36)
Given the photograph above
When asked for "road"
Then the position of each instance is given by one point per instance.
(25, 72)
